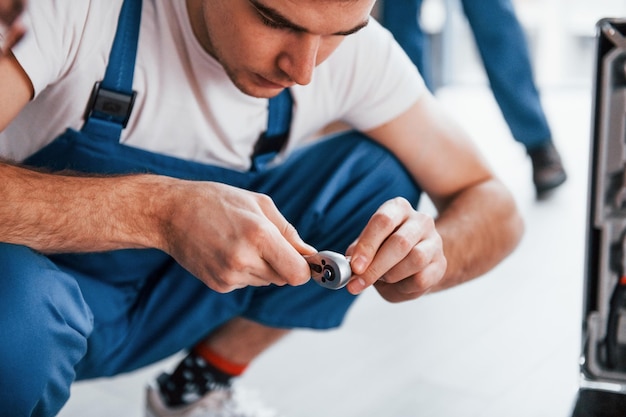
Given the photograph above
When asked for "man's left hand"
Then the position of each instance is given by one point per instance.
(399, 252)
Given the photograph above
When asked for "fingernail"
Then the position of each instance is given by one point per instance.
(357, 285)
(358, 264)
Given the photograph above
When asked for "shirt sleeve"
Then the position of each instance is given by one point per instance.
(381, 82)
(54, 34)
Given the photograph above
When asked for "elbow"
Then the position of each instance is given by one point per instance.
(516, 227)
(512, 224)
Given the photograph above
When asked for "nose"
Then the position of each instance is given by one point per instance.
(299, 57)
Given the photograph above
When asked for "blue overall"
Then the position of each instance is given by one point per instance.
(78, 316)
(503, 48)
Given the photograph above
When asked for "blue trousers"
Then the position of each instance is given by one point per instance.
(504, 51)
(77, 316)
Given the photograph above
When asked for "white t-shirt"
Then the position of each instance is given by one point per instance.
(186, 105)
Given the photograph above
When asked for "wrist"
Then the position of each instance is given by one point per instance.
(155, 201)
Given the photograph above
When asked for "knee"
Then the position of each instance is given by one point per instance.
(381, 175)
(44, 325)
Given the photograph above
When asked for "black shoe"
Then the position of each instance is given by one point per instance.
(548, 171)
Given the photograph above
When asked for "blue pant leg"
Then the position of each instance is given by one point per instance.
(44, 325)
(137, 324)
(502, 45)
(401, 18)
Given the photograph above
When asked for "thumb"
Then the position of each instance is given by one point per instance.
(287, 230)
(291, 235)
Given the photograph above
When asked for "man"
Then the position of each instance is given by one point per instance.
(159, 221)
(502, 45)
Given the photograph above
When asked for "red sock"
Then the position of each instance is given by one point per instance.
(218, 361)
(192, 378)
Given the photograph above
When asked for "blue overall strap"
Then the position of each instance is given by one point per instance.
(112, 99)
(280, 109)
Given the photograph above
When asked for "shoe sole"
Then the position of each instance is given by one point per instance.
(546, 187)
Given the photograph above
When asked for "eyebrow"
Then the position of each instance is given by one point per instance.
(281, 20)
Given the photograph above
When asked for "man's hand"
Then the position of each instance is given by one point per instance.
(225, 236)
(12, 30)
(477, 224)
(230, 238)
(399, 252)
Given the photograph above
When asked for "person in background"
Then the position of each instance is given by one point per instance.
(504, 51)
(173, 210)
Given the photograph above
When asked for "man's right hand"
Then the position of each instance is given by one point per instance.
(230, 238)
(225, 236)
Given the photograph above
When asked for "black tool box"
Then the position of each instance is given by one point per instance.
(602, 390)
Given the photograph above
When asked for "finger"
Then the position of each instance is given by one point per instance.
(418, 258)
(282, 248)
(259, 274)
(286, 229)
(393, 253)
(272, 276)
(288, 265)
(412, 287)
(390, 293)
(239, 267)
(221, 285)
(381, 225)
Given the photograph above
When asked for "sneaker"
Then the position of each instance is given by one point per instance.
(221, 402)
(548, 171)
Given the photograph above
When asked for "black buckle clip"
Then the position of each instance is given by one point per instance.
(110, 105)
(269, 144)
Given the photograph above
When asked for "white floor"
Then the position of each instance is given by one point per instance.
(506, 344)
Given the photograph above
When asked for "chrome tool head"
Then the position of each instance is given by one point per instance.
(330, 269)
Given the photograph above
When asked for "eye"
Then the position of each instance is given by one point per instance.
(270, 23)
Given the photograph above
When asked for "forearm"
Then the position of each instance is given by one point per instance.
(65, 213)
(479, 228)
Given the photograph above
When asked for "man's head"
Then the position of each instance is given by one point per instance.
(268, 45)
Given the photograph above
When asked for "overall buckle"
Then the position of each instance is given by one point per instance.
(110, 105)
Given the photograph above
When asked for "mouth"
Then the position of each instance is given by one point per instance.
(265, 83)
